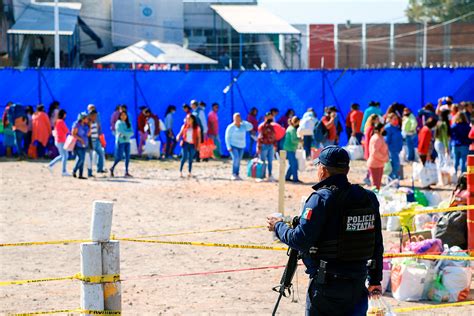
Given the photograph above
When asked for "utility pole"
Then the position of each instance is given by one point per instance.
(56, 35)
(425, 43)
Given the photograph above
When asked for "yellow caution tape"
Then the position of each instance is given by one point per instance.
(428, 307)
(428, 257)
(470, 169)
(434, 210)
(38, 243)
(204, 244)
(201, 232)
(109, 278)
(77, 310)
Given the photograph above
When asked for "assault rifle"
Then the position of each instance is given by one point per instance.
(285, 283)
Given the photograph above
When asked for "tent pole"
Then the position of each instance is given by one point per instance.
(56, 35)
(240, 50)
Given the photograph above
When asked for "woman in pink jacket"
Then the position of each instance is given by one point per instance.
(378, 155)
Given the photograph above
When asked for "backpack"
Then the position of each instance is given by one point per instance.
(268, 134)
(320, 132)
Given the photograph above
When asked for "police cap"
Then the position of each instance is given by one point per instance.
(333, 156)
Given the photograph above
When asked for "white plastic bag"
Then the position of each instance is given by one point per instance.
(355, 149)
(152, 148)
(428, 175)
(446, 172)
(421, 220)
(301, 158)
(408, 280)
(385, 279)
(133, 147)
(457, 281)
(379, 307)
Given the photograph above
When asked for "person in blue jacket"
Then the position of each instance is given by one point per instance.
(394, 139)
(339, 232)
(235, 140)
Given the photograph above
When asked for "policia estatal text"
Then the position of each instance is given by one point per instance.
(339, 239)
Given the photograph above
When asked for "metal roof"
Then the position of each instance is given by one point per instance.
(38, 19)
(253, 19)
(155, 52)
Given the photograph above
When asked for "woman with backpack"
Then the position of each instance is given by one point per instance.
(266, 142)
(190, 136)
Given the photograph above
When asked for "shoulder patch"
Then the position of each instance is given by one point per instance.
(307, 213)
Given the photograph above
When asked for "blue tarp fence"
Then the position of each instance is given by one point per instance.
(76, 88)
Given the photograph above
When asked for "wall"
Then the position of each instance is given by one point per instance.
(76, 88)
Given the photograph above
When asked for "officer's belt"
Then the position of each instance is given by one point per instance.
(339, 277)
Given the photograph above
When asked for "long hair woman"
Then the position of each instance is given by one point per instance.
(81, 131)
(60, 133)
(190, 136)
(123, 133)
(378, 155)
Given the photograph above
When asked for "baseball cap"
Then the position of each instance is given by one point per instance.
(333, 156)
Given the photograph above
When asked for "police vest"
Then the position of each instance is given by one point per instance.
(356, 237)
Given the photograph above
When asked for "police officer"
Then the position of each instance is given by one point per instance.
(339, 238)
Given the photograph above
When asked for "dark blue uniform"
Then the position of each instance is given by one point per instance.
(344, 292)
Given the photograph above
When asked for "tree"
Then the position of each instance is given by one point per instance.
(436, 11)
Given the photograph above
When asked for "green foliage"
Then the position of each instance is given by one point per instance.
(436, 11)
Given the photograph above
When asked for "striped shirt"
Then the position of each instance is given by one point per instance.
(94, 131)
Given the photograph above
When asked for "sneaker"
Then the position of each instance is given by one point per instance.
(258, 180)
(74, 174)
(271, 179)
(111, 172)
(82, 178)
(128, 175)
(66, 174)
(50, 169)
(234, 178)
(238, 178)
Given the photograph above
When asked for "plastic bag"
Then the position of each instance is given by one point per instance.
(379, 307)
(70, 143)
(133, 147)
(387, 168)
(457, 281)
(152, 148)
(421, 220)
(408, 280)
(355, 149)
(428, 175)
(206, 149)
(420, 198)
(301, 159)
(437, 292)
(425, 246)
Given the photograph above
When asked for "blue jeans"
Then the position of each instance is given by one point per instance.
(63, 155)
(251, 148)
(460, 157)
(307, 142)
(19, 135)
(395, 162)
(266, 154)
(81, 157)
(170, 144)
(293, 169)
(187, 154)
(120, 150)
(410, 141)
(236, 154)
(97, 147)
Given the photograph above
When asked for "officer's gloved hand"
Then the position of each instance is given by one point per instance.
(271, 221)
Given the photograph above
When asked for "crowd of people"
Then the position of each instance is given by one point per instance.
(442, 132)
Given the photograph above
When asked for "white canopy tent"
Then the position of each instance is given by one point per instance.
(155, 52)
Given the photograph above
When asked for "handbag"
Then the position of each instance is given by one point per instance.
(102, 140)
(70, 143)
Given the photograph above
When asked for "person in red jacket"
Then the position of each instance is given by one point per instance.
(425, 136)
(60, 133)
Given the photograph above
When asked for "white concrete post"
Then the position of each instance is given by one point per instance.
(92, 295)
(281, 183)
(101, 221)
(100, 257)
(111, 265)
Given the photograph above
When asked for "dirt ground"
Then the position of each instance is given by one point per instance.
(36, 205)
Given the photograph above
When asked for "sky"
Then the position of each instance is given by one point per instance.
(337, 11)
